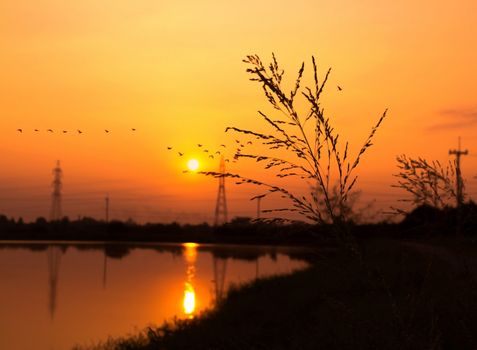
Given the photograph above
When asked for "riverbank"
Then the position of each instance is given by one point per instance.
(384, 295)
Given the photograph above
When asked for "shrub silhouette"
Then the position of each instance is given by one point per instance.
(428, 183)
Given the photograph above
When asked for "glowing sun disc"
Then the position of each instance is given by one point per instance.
(193, 164)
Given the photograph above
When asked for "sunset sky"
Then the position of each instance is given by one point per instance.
(173, 70)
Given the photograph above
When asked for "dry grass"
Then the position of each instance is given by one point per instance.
(302, 145)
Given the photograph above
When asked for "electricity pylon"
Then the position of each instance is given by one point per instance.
(56, 195)
(221, 205)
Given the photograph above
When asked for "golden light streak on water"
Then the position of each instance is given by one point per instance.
(189, 300)
(190, 255)
(190, 252)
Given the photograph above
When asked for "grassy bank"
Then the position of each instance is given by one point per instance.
(394, 296)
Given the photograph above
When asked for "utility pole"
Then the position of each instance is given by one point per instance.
(56, 195)
(221, 205)
(107, 207)
(459, 182)
(258, 207)
(259, 199)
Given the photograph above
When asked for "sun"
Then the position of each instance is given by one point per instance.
(193, 164)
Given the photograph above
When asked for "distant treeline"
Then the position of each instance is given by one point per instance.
(423, 221)
(239, 230)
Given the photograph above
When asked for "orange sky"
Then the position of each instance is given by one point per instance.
(173, 70)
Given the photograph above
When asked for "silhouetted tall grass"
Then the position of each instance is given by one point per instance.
(302, 145)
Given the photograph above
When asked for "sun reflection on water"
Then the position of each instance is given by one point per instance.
(189, 299)
(190, 255)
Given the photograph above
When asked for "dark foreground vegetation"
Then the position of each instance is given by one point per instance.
(392, 295)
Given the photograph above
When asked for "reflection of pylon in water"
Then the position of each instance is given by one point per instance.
(220, 270)
(105, 269)
(221, 205)
(54, 258)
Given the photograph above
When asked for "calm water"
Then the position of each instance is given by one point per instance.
(53, 296)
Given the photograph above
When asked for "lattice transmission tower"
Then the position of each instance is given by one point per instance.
(56, 195)
(221, 205)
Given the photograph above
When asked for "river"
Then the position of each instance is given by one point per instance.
(55, 295)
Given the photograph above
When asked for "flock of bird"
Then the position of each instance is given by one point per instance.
(66, 131)
(212, 154)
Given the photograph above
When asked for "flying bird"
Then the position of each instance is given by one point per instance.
(218, 152)
(227, 160)
(49, 130)
(106, 130)
(180, 154)
(37, 130)
(133, 129)
(339, 88)
(65, 131)
(222, 145)
(19, 130)
(237, 141)
(79, 131)
(211, 156)
(169, 148)
(206, 150)
(199, 145)
(249, 142)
